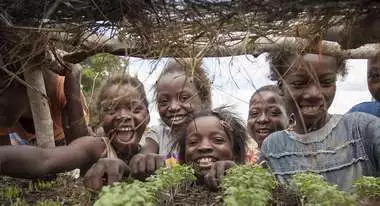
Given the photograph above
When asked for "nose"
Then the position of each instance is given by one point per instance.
(205, 147)
(313, 92)
(123, 115)
(174, 106)
(263, 118)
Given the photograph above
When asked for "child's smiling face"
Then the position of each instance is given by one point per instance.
(267, 114)
(207, 142)
(373, 77)
(124, 115)
(177, 99)
(309, 87)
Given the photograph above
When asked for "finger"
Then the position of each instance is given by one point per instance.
(134, 165)
(212, 180)
(113, 173)
(94, 177)
(142, 166)
(160, 162)
(220, 169)
(150, 164)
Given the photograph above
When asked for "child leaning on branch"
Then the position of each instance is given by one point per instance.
(124, 115)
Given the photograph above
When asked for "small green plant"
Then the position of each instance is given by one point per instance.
(247, 185)
(316, 191)
(145, 193)
(48, 203)
(368, 188)
(19, 202)
(11, 192)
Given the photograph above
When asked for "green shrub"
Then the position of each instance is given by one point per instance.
(247, 185)
(316, 191)
(368, 188)
(140, 193)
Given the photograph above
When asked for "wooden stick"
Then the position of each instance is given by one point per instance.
(244, 47)
(42, 120)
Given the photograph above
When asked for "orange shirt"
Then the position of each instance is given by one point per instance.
(56, 103)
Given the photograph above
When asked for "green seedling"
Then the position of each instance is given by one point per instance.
(137, 193)
(316, 191)
(11, 192)
(368, 188)
(247, 185)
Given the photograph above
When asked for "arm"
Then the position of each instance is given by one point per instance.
(30, 162)
(73, 111)
(151, 146)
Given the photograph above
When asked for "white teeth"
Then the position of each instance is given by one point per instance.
(125, 129)
(310, 109)
(176, 118)
(263, 131)
(205, 160)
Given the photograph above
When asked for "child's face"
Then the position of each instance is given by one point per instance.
(373, 77)
(177, 99)
(124, 115)
(207, 142)
(311, 86)
(267, 114)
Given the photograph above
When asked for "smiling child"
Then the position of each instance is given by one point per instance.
(213, 142)
(124, 115)
(267, 114)
(182, 89)
(373, 80)
(341, 148)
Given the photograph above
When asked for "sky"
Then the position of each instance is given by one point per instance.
(234, 80)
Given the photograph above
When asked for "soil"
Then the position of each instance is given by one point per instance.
(62, 190)
(66, 190)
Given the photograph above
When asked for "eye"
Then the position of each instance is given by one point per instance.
(219, 140)
(253, 114)
(192, 141)
(109, 110)
(163, 102)
(184, 97)
(327, 82)
(298, 84)
(137, 109)
(373, 76)
(275, 112)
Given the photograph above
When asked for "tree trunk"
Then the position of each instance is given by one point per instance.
(43, 123)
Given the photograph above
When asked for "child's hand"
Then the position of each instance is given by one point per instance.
(105, 171)
(143, 165)
(216, 172)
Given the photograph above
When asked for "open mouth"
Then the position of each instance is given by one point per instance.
(311, 110)
(124, 134)
(263, 131)
(205, 162)
(177, 119)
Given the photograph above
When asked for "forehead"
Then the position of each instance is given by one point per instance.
(122, 92)
(315, 63)
(266, 97)
(174, 82)
(205, 124)
(374, 64)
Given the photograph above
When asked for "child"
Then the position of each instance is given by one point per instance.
(341, 148)
(181, 90)
(267, 114)
(213, 142)
(123, 110)
(373, 79)
(66, 103)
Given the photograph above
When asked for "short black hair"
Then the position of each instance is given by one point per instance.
(236, 131)
(192, 67)
(267, 88)
(279, 63)
(121, 78)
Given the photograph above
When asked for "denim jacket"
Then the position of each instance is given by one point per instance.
(346, 148)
